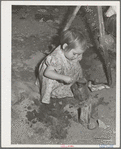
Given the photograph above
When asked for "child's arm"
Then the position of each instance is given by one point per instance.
(52, 74)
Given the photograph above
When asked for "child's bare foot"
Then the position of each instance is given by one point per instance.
(46, 101)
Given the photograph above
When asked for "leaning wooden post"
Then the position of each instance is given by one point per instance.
(70, 20)
(104, 46)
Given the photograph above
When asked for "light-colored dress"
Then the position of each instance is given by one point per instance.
(52, 88)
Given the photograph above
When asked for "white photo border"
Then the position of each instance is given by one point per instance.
(6, 33)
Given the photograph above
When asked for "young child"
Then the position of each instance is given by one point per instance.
(60, 69)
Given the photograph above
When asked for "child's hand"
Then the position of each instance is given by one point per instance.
(67, 79)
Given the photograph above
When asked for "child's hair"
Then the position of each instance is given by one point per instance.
(71, 37)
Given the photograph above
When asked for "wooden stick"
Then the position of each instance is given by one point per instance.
(71, 18)
(104, 46)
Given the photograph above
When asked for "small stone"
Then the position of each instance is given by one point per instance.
(41, 20)
(101, 124)
(49, 21)
(57, 21)
(32, 102)
(93, 24)
(60, 102)
(42, 10)
(54, 104)
(56, 10)
(30, 134)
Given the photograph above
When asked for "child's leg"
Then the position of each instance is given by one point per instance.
(62, 91)
(47, 87)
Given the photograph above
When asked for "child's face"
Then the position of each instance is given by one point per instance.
(74, 53)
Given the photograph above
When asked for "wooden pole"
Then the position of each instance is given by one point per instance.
(70, 20)
(104, 46)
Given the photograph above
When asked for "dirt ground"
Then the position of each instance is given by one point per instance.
(34, 123)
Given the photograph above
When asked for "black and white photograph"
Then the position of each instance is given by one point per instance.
(60, 74)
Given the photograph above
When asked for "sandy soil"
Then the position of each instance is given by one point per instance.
(34, 123)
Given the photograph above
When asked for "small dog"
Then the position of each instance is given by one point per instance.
(82, 95)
